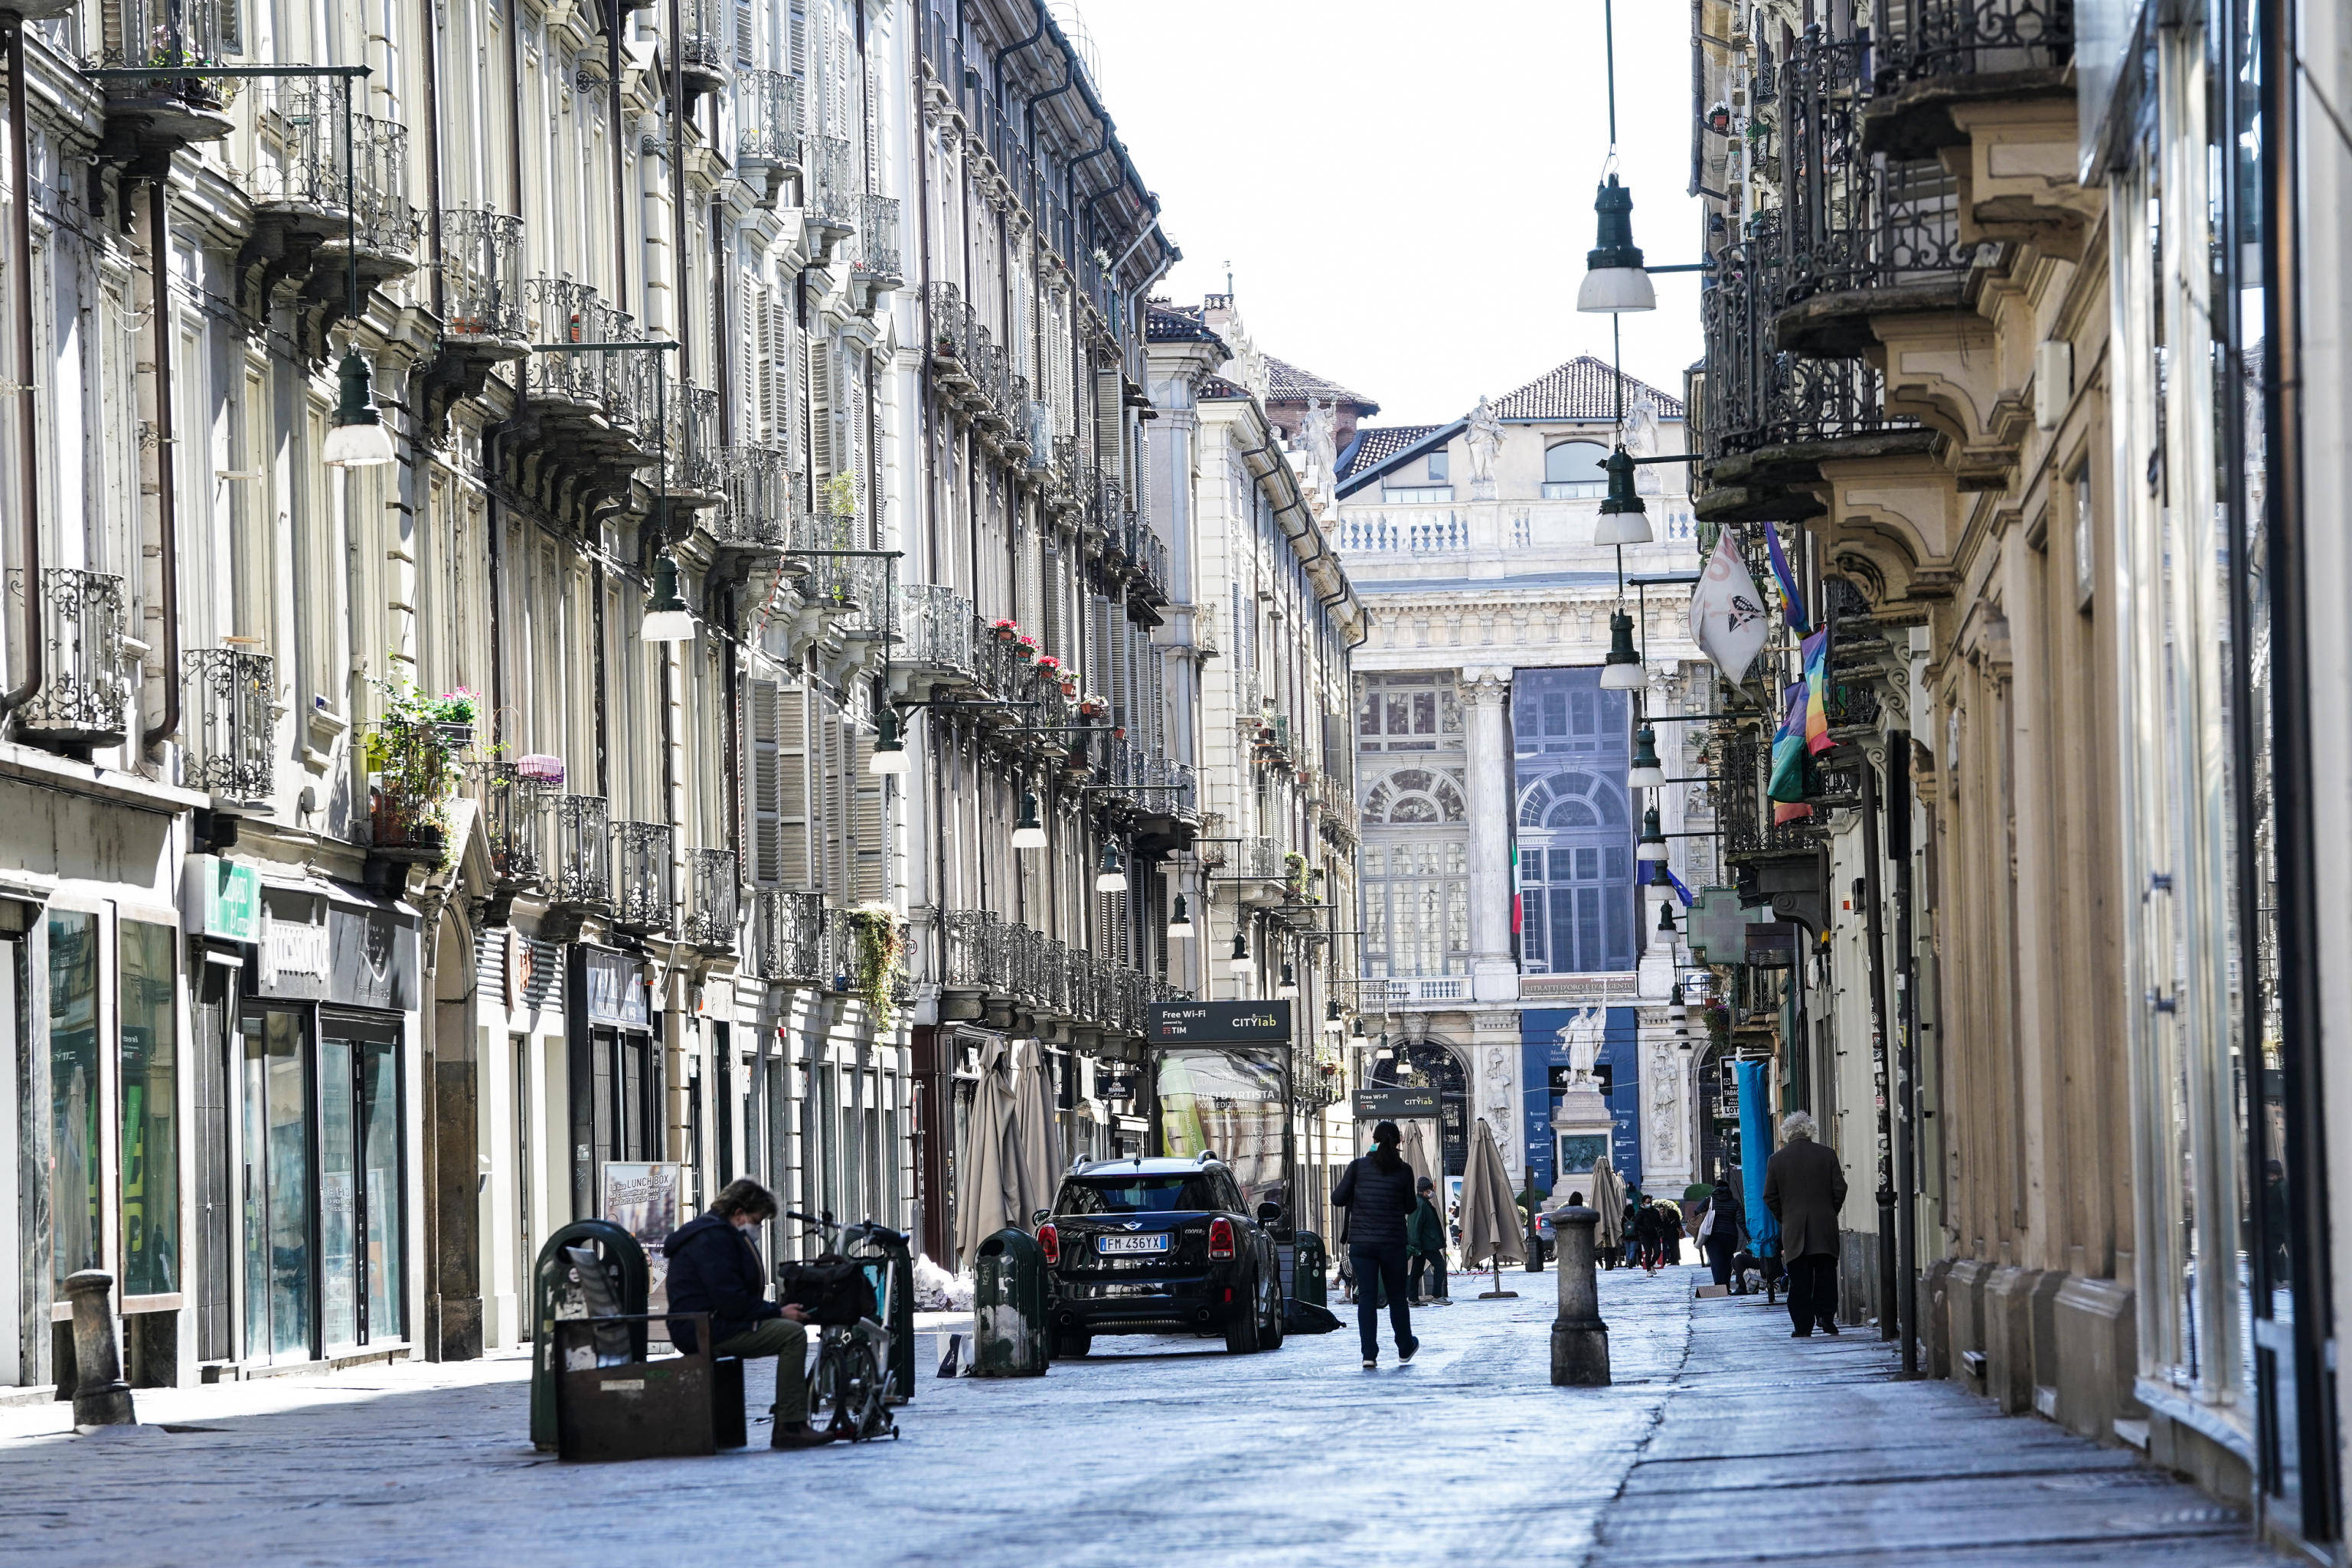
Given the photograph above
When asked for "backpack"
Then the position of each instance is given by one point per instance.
(832, 1290)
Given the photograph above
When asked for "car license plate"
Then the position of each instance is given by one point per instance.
(1156, 1242)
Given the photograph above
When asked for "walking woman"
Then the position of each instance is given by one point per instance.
(1376, 1190)
(1719, 1232)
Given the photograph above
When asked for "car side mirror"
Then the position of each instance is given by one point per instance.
(1040, 1217)
(1269, 1214)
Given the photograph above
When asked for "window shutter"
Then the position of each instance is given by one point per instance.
(746, 34)
(760, 326)
(870, 829)
(799, 47)
(833, 832)
(820, 409)
(1122, 667)
(779, 798)
(1107, 421)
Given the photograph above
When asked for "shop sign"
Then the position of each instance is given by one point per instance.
(221, 898)
(647, 1199)
(295, 958)
(1389, 1104)
(1220, 1022)
(616, 989)
(1115, 1086)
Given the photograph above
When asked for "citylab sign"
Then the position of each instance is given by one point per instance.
(1384, 1104)
(1219, 1024)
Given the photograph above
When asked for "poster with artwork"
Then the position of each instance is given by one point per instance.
(647, 1199)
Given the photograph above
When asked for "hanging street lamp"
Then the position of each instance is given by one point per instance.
(889, 758)
(1622, 670)
(1180, 922)
(1652, 845)
(1615, 279)
(1029, 833)
(1646, 772)
(1111, 877)
(1623, 519)
(357, 438)
(666, 619)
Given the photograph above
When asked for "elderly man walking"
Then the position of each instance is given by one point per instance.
(1804, 1186)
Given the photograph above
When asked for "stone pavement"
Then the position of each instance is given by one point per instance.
(1722, 1440)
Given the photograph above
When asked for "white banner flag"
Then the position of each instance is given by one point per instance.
(1727, 618)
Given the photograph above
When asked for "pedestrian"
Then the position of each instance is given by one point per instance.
(1671, 1231)
(1718, 1232)
(1633, 1237)
(1425, 1238)
(1647, 1229)
(1377, 1191)
(714, 1268)
(1804, 1186)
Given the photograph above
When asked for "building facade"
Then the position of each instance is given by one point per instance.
(589, 619)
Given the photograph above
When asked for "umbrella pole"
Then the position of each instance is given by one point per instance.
(1495, 1264)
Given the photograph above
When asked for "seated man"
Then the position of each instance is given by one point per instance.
(714, 1268)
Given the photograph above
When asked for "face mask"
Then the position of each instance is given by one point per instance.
(747, 1225)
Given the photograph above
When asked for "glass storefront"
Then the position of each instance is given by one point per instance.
(276, 1185)
(150, 1092)
(76, 1208)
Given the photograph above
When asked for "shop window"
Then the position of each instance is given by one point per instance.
(151, 1141)
(276, 1185)
(76, 1224)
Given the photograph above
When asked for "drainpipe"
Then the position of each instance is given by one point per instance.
(677, 206)
(167, 504)
(614, 16)
(996, 72)
(20, 263)
(427, 35)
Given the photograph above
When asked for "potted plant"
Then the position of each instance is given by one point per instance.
(413, 751)
(1024, 646)
(1092, 706)
(1003, 630)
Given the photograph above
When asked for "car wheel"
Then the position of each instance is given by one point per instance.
(1242, 1330)
(1270, 1337)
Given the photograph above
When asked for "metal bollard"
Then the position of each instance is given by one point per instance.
(100, 1396)
(1580, 1339)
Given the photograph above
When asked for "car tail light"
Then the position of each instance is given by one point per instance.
(1051, 1240)
(1221, 1237)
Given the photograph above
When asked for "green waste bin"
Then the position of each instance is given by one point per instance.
(1311, 1271)
(1008, 1307)
(559, 1292)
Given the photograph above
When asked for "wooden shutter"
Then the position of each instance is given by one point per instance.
(1109, 421)
(828, 779)
(799, 46)
(746, 34)
(820, 409)
(759, 328)
(778, 786)
(869, 863)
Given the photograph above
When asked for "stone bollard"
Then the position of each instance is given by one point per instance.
(101, 1398)
(1580, 1339)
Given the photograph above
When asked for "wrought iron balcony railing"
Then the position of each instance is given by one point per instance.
(645, 881)
(301, 164)
(996, 669)
(877, 240)
(618, 386)
(517, 815)
(1758, 394)
(703, 43)
(580, 859)
(694, 456)
(768, 119)
(975, 951)
(834, 186)
(1743, 808)
(230, 730)
(1921, 39)
(790, 931)
(758, 513)
(714, 908)
(481, 276)
(1857, 220)
(934, 629)
(165, 33)
(86, 689)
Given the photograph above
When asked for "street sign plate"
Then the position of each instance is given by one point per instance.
(1220, 1022)
(1379, 1103)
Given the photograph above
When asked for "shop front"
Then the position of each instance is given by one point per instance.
(316, 1119)
(617, 1093)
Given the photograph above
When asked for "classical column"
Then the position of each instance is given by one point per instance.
(1495, 974)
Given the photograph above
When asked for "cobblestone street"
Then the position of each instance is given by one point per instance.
(1722, 1440)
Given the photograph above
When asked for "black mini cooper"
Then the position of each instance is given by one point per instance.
(1159, 1247)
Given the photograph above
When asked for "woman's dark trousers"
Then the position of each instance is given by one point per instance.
(1385, 1264)
(1718, 1258)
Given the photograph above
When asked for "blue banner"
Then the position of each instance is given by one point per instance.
(1755, 1148)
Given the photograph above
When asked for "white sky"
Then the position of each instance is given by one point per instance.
(1404, 191)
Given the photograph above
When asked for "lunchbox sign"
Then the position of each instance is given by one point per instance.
(1220, 1022)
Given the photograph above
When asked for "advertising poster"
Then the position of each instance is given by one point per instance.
(647, 1199)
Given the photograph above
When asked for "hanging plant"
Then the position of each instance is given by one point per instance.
(877, 958)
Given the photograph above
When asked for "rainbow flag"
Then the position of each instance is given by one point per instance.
(1817, 682)
(1788, 786)
(1792, 603)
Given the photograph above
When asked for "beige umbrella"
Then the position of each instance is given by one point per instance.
(1490, 1218)
(1608, 1196)
(987, 1198)
(1423, 1151)
(1036, 1140)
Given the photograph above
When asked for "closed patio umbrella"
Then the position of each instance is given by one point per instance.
(1608, 1196)
(1424, 1153)
(1036, 1134)
(1490, 1218)
(987, 1198)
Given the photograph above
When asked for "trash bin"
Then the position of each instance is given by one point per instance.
(1310, 1273)
(1008, 1307)
(557, 1292)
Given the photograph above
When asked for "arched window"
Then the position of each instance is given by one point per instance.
(1573, 470)
(1571, 799)
(1410, 797)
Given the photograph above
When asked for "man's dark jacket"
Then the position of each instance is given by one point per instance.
(1804, 1186)
(714, 1269)
(1377, 1201)
(1426, 1231)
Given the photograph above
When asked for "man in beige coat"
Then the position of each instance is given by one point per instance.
(1804, 1186)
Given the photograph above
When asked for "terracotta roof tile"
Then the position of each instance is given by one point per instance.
(1582, 389)
(1288, 384)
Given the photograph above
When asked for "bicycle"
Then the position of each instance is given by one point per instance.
(852, 1380)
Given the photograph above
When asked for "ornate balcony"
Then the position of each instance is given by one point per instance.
(789, 936)
(878, 263)
(587, 428)
(484, 323)
(580, 861)
(1934, 56)
(315, 207)
(832, 187)
(1769, 415)
(645, 881)
(715, 907)
(518, 814)
(1867, 235)
(935, 634)
(975, 951)
(702, 57)
(148, 121)
(696, 469)
(84, 700)
(757, 519)
(230, 730)
(768, 125)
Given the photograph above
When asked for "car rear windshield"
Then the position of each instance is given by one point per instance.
(1137, 1194)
